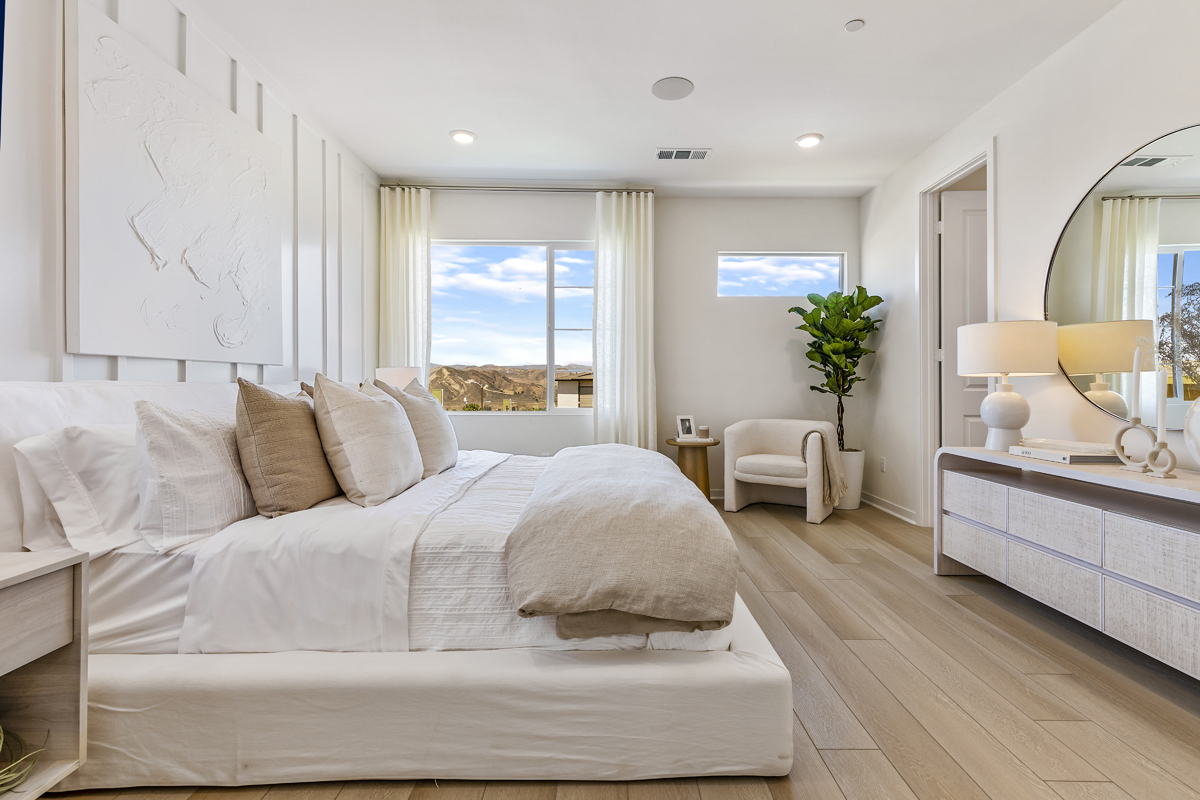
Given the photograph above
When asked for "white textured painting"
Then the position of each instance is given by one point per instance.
(173, 213)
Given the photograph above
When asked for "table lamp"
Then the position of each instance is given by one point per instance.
(400, 377)
(1096, 348)
(1002, 350)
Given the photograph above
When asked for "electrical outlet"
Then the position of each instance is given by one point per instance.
(882, 464)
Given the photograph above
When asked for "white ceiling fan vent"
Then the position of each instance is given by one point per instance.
(1154, 161)
(682, 154)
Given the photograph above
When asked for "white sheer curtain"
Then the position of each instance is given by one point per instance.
(404, 278)
(1127, 274)
(624, 360)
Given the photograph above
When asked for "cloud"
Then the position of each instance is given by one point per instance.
(796, 275)
(518, 278)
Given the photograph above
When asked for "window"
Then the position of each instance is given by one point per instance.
(1179, 317)
(500, 314)
(779, 274)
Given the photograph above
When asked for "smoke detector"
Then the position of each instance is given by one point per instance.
(682, 153)
(1154, 161)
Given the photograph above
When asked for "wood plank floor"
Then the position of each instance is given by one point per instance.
(906, 685)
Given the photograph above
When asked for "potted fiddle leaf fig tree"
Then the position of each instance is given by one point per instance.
(839, 326)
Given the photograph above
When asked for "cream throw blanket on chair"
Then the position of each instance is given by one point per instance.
(834, 483)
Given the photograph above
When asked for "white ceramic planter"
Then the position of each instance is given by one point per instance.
(853, 462)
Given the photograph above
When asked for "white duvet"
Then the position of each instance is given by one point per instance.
(423, 571)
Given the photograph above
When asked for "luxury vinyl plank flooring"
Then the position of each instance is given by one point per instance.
(905, 685)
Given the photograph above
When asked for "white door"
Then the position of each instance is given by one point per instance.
(963, 302)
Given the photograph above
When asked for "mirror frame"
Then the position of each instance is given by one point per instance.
(1058, 244)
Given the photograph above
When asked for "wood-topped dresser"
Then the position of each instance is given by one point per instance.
(1117, 550)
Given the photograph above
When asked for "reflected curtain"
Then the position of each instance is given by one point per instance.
(1127, 271)
(404, 278)
(624, 401)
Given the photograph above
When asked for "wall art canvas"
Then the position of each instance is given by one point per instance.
(173, 234)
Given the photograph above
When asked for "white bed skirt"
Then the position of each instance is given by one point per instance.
(230, 720)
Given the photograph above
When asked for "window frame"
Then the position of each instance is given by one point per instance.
(1176, 251)
(842, 257)
(550, 246)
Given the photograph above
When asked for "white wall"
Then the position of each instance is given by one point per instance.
(329, 238)
(726, 359)
(1128, 79)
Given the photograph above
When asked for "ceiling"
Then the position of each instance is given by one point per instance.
(559, 90)
(1182, 177)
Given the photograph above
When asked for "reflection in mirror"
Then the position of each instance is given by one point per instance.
(1126, 272)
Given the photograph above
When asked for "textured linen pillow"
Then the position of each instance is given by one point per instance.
(431, 424)
(368, 440)
(89, 475)
(281, 451)
(189, 474)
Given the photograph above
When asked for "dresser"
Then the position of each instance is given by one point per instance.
(1116, 550)
(43, 660)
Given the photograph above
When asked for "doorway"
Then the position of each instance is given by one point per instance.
(955, 286)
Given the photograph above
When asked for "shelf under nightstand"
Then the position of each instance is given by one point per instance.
(43, 660)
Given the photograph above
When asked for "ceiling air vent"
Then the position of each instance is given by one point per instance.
(1154, 161)
(689, 154)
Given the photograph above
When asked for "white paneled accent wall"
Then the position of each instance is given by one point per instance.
(329, 230)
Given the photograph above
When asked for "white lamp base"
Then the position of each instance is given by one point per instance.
(1100, 394)
(1005, 413)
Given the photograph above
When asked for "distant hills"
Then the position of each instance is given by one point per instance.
(523, 386)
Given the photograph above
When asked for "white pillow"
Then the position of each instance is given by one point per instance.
(189, 474)
(88, 474)
(431, 424)
(368, 440)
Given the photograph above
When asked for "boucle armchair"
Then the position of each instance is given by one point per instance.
(763, 464)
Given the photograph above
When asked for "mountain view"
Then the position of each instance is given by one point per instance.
(487, 387)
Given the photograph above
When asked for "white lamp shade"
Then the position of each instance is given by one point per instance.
(399, 377)
(1018, 348)
(1093, 348)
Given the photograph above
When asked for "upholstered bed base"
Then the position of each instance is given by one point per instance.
(233, 720)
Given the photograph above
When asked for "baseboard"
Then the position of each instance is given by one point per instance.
(718, 495)
(888, 507)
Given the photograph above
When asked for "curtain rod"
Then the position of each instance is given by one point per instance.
(567, 189)
(1153, 197)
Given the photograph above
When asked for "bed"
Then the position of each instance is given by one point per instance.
(476, 696)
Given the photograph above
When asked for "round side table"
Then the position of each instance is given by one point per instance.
(693, 461)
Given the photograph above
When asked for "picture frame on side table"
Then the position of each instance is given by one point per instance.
(685, 426)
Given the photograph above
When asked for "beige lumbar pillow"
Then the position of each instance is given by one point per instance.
(431, 424)
(281, 451)
(368, 440)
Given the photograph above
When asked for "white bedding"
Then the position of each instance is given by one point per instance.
(458, 595)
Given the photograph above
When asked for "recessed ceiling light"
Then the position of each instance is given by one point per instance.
(672, 88)
(855, 25)
(809, 139)
(462, 137)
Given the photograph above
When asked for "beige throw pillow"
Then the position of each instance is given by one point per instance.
(281, 451)
(431, 424)
(368, 440)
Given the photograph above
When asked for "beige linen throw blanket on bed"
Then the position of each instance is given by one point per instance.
(615, 539)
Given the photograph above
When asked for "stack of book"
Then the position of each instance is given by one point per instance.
(1064, 452)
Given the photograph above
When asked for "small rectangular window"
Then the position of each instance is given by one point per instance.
(779, 274)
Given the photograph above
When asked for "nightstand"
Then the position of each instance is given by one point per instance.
(693, 461)
(43, 660)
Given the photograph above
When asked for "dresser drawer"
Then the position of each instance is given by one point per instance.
(977, 548)
(1165, 558)
(1158, 627)
(975, 499)
(1070, 588)
(37, 618)
(1060, 525)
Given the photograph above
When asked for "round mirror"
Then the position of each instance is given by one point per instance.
(1126, 274)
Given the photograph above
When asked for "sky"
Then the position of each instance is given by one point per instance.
(767, 275)
(489, 305)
